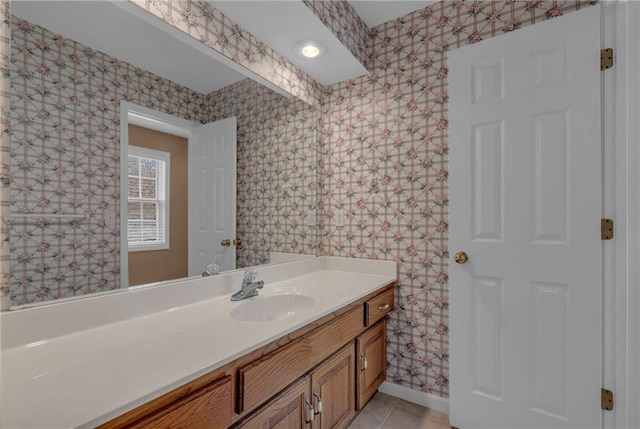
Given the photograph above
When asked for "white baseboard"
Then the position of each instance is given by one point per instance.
(425, 399)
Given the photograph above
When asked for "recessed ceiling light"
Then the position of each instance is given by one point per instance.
(309, 48)
(310, 51)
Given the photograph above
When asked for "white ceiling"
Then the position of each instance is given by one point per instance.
(376, 12)
(280, 24)
(112, 29)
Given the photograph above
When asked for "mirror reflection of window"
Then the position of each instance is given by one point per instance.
(148, 199)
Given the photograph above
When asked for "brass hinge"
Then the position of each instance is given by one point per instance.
(606, 229)
(606, 399)
(606, 58)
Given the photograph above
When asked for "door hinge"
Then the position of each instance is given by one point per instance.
(606, 399)
(606, 58)
(606, 229)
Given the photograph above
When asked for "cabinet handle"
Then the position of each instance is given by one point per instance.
(364, 362)
(319, 407)
(311, 414)
(383, 307)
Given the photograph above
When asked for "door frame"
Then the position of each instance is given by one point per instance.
(135, 114)
(621, 202)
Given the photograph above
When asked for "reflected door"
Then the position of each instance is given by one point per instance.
(525, 184)
(212, 195)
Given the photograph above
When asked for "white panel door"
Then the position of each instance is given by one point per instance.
(212, 195)
(525, 193)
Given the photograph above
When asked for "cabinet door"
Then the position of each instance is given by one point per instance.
(372, 361)
(333, 390)
(292, 409)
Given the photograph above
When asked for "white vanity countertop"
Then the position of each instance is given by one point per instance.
(85, 378)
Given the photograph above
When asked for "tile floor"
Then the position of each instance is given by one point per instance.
(388, 412)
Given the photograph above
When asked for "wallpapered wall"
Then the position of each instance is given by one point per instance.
(277, 164)
(388, 130)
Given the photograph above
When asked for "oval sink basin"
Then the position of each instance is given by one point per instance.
(274, 307)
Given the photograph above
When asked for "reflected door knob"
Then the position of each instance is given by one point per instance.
(226, 242)
(461, 258)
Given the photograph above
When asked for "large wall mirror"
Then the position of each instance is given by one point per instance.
(80, 72)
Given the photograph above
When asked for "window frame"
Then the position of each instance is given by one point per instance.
(157, 155)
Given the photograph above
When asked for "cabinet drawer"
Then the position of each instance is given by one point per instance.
(208, 407)
(377, 307)
(268, 375)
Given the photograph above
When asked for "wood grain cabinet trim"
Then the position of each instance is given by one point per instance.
(378, 307)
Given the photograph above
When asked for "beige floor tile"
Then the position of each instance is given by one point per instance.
(375, 412)
(406, 415)
(366, 421)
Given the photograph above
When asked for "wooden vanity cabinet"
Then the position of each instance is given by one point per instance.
(338, 361)
(371, 352)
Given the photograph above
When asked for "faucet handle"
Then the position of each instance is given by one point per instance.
(249, 276)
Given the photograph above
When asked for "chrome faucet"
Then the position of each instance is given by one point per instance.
(249, 287)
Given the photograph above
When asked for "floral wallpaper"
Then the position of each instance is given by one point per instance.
(277, 165)
(5, 98)
(65, 159)
(383, 154)
(208, 25)
(345, 23)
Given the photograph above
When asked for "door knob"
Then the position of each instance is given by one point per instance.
(237, 242)
(461, 258)
(226, 242)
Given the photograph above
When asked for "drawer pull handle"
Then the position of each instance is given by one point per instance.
(383, 307)
(364, 363)
(311, 414)
(319, 407)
